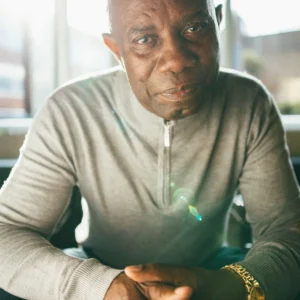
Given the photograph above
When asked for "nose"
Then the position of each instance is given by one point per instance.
(175, 56)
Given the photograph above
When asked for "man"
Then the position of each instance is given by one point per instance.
(158, 150)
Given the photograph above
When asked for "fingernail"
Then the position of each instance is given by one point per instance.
(136, 268)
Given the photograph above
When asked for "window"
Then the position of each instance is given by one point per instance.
(87, 21)
(12, 69)
(266, 44)
(26, 56)
(45, 43)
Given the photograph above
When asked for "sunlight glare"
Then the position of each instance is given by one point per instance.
(22, 9)
(89, 16)
(263, 17)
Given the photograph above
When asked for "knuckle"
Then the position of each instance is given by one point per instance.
(152, 266)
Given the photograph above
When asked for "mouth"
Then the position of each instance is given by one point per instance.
(181, 92)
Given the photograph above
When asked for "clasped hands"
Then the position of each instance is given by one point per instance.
(162, 282)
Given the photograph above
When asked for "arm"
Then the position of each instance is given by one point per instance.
(272, 201)
(32, 201)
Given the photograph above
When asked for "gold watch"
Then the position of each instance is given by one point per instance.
(253, 288)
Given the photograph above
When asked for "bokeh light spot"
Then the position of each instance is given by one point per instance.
(199, 218)
(185, 195)
(193, 211)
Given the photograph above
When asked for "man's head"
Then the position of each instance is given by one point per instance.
(169, 50)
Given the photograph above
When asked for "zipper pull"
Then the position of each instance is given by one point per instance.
(167, 134)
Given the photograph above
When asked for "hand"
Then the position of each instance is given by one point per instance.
(204, 284)
(124, 288)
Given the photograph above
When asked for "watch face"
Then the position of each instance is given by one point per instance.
(257, 293)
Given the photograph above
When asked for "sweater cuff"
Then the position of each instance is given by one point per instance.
(263, 269)
(90, 281)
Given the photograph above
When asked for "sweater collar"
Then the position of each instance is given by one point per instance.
(132, 111)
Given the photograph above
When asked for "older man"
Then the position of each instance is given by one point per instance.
(158, 148)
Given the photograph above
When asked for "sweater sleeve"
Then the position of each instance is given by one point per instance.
(272, 202)
(32, 201)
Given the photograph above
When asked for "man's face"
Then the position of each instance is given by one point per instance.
(170, 52)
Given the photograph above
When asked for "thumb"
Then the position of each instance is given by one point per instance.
(183, 292)
(165, 292)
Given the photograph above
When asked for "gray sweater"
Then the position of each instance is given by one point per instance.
(155, 191)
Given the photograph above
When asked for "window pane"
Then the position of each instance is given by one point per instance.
(12, 71)
(87, 20)
(42, 54)
(26, 56)
(267, 45)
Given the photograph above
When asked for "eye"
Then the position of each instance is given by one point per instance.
(196, 27)
(144, 40)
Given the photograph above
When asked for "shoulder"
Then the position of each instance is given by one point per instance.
(243, 89)
(253, 104)
(89, 86)
(236, 81)
(82, 99)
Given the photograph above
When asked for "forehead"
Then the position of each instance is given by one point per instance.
(129, 12)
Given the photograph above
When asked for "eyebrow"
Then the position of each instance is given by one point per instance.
(199, 13)
(142, 29)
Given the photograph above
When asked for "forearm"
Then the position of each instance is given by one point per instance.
(274, 262)
(32, 268)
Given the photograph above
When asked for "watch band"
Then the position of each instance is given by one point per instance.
(249, 280)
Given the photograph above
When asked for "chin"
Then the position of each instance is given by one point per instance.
(184, 113)
(178, 111)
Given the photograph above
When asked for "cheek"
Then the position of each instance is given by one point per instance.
(139, 72)
(215, 47)
(139, 68)
(208, 50)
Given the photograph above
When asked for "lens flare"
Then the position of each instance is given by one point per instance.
(187, 197)
(194, 211)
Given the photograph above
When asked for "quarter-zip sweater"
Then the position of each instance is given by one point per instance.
(156, 191)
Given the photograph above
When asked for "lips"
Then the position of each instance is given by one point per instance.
(181, 92)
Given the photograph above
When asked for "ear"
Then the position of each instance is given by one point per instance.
(219, 13)
(111, 43)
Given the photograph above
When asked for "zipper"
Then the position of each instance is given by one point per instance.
(164, 165)
(167, 134)
(168, 126)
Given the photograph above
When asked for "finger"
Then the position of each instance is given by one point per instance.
(164, 292)
(158, 273)
(184, 292)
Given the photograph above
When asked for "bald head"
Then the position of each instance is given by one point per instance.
(111, 4)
